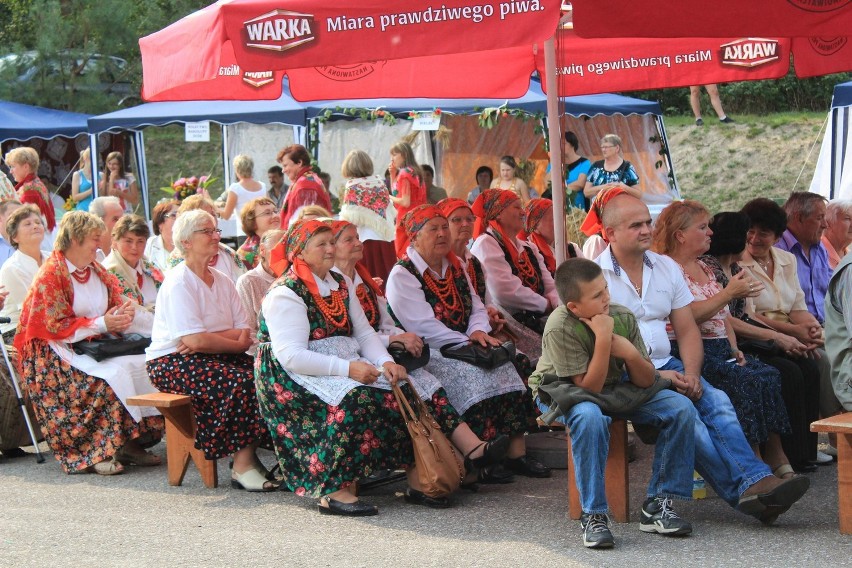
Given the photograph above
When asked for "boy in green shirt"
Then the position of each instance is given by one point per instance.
(593, 367)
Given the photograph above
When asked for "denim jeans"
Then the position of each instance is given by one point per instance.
(723, 457)
(671, 477)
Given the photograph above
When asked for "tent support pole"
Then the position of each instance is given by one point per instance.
(554, 132)
(94, 159)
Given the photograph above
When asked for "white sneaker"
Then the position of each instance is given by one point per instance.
(823, 459)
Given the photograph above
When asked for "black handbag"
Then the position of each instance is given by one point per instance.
(403, 357)
(764, 347)
(484, 357)
(108, 346)
(532, 320)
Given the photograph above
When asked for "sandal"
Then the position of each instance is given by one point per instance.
(784, 471)
(252, 481)
(137, 457)
(106, 467)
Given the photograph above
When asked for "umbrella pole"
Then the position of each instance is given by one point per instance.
(554, 132)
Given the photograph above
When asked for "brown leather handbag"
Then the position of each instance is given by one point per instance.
(439, 469)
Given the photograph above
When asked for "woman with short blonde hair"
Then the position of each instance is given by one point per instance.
(23, 163)
(244, 190)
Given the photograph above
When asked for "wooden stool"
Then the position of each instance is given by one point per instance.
(841, 425)
(180, 436)
(615, 477)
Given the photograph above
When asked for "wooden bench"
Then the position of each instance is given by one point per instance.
(841, 425)
(615, 477)
(180, 436)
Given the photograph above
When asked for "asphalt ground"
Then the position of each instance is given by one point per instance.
(48, 518)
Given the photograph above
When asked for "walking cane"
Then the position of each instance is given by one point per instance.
(21, 404)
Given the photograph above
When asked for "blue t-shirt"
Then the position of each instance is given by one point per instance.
(575, 170)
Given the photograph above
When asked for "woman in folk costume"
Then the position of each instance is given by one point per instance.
(539, 230)
(367, 205)
(348, 253)
(516, 276)
(79, 401)
(306, 186)
(528, 343)
(139, 279)
(430, 295)
(23, 163)
(324, 378)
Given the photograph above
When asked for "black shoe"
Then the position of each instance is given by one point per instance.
(495, 475)
(493, 453)
(14, 453)
(596, 533)
(658, 517)
(804, 467)
(528, 467)
(356, 509)
(415, 497)
(699, 122)
(726, 120)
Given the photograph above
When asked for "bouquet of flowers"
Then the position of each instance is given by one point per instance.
(184, 187)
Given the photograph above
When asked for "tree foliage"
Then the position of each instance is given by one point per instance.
(68, 41)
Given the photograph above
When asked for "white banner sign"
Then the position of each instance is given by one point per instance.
(197, 131)
(426, 121)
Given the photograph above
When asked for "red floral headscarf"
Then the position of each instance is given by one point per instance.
(536, 209)
(286, 252)
(488, 206)
(594, 219)
(337, 227)
(415, 219)
(450, 204)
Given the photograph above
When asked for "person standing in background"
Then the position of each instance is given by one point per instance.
(277, 191)
(715, 101)
(81, 185)
(434, 193)
(576, 170)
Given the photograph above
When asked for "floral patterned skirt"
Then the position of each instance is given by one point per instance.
(508, 414)
(223, 398)
(82, 420)
(324, 448)
(754, 390)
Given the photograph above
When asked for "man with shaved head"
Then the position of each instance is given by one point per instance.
(652, 286)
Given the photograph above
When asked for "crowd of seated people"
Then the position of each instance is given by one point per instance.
(290, 343)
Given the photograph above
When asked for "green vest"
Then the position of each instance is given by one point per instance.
(838, 340)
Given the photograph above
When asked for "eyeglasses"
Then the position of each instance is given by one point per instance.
(457, 220)
(209, 232)
(267, 213)
(172, 215)
(604, 147)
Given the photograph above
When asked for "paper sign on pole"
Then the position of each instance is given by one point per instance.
(197, 131)
(426, 121)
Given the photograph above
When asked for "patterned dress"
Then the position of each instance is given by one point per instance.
(755, 389)
(80, 415)
(323, 447)
(491, 402)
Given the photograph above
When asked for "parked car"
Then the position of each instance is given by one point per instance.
(68, 71)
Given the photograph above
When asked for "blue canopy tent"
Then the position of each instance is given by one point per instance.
(22, 122)
(51, 132)
(833, 174)
(284, 110)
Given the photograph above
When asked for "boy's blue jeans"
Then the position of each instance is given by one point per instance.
(669, 411)
(723, 456)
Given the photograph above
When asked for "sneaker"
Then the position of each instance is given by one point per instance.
(823, 458)
(830, 451)
(699, 122)
(596, 533)
(659, 517)
(726, 120)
